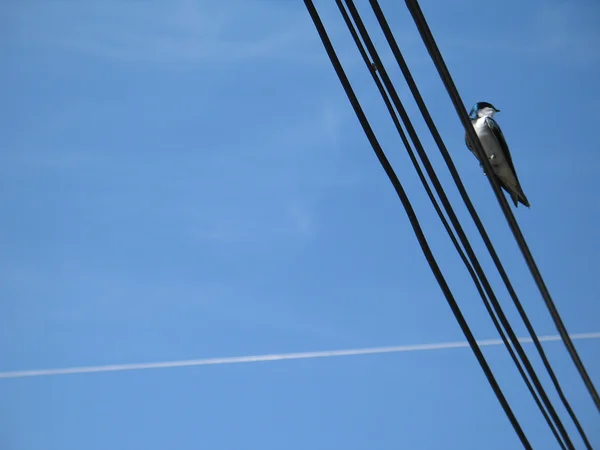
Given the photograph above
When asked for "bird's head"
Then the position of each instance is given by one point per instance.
(483, 109)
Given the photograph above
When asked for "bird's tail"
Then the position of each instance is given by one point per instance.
(519, 197)
(515, 191)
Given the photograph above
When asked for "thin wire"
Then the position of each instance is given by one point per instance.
(442, 69)
(442, 147)
(414, 222)
(497, 307)
(374, 67)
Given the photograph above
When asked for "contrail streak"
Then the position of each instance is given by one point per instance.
(279, 357)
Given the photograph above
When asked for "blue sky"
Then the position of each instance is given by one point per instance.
(186, 179)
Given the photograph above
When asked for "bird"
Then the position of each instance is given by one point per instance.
(491, 137)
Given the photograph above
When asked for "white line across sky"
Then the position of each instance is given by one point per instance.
(279, 357)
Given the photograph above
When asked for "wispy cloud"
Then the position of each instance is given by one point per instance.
(277, 357)
(177, 31)
(560, 31)
(257, 186)
(568, 29)
(273, 184)
(302, 218)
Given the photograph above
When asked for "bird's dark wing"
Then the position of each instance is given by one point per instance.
(469, 146)
(468, 142)
(495, 129)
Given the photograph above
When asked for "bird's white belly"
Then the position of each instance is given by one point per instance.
(492, 148)
(490, 144)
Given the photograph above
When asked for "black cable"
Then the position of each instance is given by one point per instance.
(436, 56)
(440, 143)
(414, 221)
(373, 70)
(431, 172)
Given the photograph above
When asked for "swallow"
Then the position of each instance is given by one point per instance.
(496, 150)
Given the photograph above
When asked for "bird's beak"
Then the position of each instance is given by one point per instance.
(497, 110)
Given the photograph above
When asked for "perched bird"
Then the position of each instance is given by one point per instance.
(496, 150)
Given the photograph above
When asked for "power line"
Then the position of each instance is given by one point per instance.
(440, 143)
(414, 221)
(442, 69)
(480, 273)
(378, 66)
